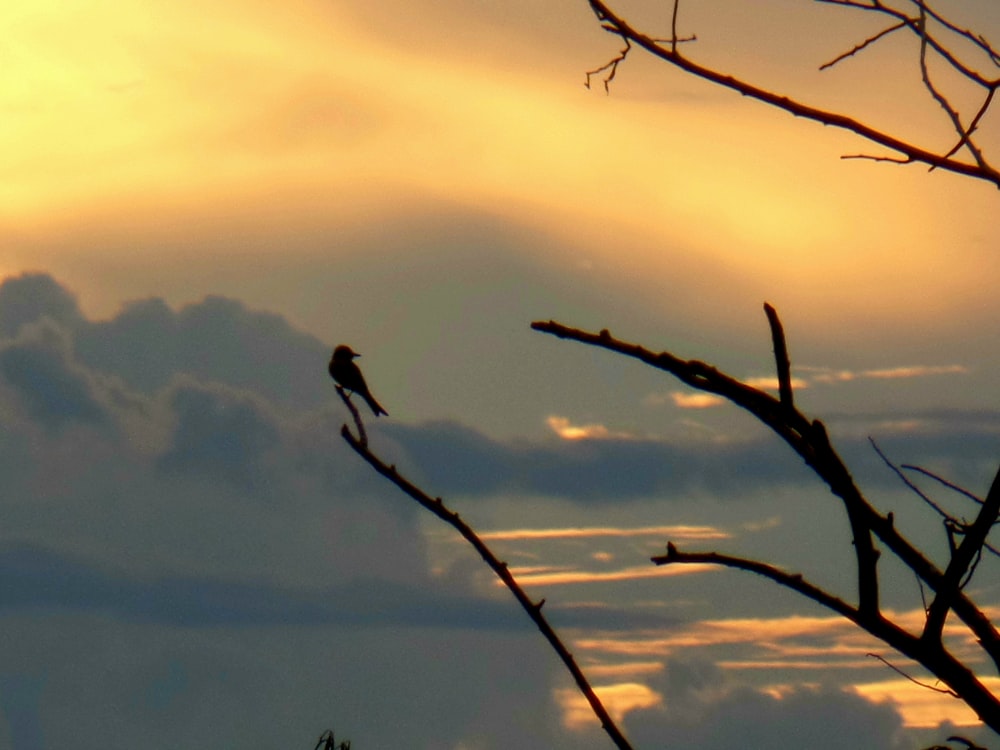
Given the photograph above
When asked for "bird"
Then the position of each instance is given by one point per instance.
(347, 374)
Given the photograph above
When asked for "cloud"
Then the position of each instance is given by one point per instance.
(147, 343)
(456, 459)
(205, 495)
(562, 427)
(923, 706)
(742, 717)
(535, 577)
(666, 532)
(50, 388)
(31, 296)
(830, 376)
(686, 400)
(691, 703)
(219, 432)
(770, 382)
(619, 699)
(34, 577)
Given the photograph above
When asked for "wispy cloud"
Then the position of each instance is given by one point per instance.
(688, 400)
(770, 382)
(827, 635)
(666, 532)
(562, 427)
(829, 375)
(825, 375)
(530, 577)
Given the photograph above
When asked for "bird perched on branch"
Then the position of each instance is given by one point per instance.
(347, 374)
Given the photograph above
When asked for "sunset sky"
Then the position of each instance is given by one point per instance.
(199, 200)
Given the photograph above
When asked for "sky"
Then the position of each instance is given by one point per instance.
(199, 202)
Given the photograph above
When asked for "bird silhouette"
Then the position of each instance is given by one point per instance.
(344, 371)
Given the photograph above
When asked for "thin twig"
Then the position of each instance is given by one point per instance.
(858, 47)
(941, 480)
(781, 361)
(611, 66)
(915, 681)
(955, 574)
(903, 478)
(362, 435)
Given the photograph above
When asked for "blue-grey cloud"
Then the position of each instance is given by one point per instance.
(457, 459)
(147, 343)
(31, 296)
(51, 390)
(802, 718)
(702, 709)
(33, 577)
(221, 433)
(198, 450)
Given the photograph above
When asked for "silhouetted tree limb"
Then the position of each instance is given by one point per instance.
(362, 435)
(918, 21)
(327, 741)
(809, 439)
(969, 549)
(534, 609)
(783, 364)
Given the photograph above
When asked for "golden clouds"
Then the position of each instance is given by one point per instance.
(921, 706)
(664, 532)
(568, 431)
(618, 698)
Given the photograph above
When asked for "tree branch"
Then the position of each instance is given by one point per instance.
(534, 609)
(784, 366)
(809, 441)
(969, 549)
(794, 581)
(960, 679)
(910, 152)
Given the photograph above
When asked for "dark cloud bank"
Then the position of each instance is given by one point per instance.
(175, 472)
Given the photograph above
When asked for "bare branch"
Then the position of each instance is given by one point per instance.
(858, 47)
(793, 581)
(955, 574)
(362, 435)
(915, 681)
(940, 98)
(611, 66)
(909, 152)
(534, 609)
(902, 477)
(943, 665)
(941, 480)
(810, 441)
(784, 366)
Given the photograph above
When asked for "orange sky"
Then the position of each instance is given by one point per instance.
(136, 120)
(176, 148)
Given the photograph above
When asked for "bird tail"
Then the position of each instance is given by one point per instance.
(375, 405)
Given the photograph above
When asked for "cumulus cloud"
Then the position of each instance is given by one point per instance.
(169, 471)
(700, 708)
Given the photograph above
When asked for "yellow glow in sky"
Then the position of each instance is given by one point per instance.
(159, 115)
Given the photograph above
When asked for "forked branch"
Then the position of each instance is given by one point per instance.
(809, 439)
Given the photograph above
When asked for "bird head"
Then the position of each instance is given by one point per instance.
(344, 353)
